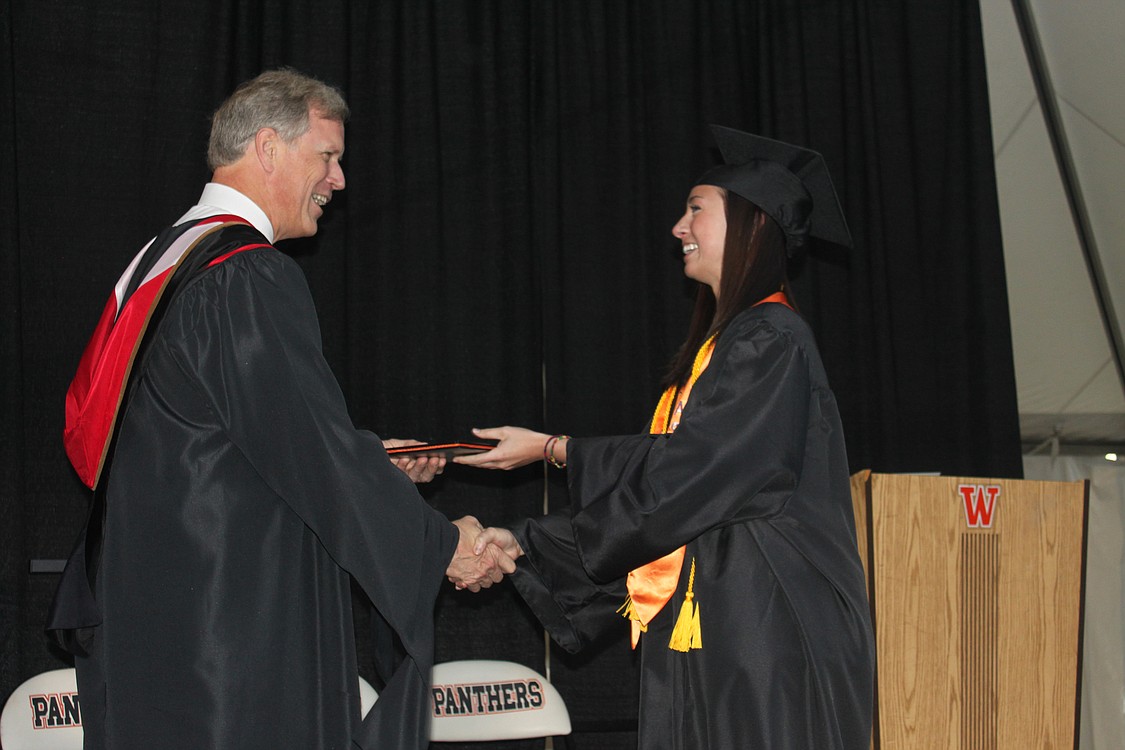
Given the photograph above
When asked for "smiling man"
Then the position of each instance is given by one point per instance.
(288, 161)
(208, 599)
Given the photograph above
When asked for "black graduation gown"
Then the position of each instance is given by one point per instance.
(239, 500)
(755, 482)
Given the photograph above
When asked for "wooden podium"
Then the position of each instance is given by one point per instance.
(976, 599)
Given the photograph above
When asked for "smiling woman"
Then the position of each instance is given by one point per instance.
(725, 533)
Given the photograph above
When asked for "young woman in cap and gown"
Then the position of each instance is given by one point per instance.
(725, 534)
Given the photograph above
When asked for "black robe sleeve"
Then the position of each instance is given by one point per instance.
(736, 456)
(574, 609)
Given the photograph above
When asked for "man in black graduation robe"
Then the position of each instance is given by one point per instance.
(238, 500)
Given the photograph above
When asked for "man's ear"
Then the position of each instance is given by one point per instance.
(267, 145)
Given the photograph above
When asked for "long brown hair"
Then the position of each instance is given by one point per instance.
(754, 267)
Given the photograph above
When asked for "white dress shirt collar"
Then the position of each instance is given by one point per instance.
(222, 199)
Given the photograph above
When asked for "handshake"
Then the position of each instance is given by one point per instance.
(483, 556)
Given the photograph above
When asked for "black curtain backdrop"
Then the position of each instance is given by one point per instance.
(502, 252)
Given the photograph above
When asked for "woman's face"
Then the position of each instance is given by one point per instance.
(702, 231)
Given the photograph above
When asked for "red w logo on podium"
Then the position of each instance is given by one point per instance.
(980, 503)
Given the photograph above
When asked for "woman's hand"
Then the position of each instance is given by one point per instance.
(497, 538)
(518, 447)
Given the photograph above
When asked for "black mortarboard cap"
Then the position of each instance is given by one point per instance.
(790, 183)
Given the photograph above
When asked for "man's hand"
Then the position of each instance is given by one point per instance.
(474, 570)
(420, 470)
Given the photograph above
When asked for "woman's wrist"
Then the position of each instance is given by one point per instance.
(554, 450)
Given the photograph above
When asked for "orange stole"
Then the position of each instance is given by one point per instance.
(651, 586)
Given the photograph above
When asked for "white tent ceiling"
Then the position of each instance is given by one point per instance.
(1062, 297)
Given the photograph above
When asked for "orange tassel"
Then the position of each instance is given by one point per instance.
(629, 611)
(687, 633)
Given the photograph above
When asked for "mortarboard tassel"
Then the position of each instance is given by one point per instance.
(687, 633)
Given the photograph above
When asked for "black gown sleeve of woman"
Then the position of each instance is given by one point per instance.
(755, 483)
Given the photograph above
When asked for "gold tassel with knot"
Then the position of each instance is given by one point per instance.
(687, 633)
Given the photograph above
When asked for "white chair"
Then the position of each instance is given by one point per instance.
(484, 699)
(473, 701)
(43, 713)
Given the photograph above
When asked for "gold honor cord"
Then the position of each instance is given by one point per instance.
(651, 586)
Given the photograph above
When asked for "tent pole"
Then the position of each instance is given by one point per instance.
(1065, 162)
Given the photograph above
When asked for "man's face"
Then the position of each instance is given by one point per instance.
(308, 171)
